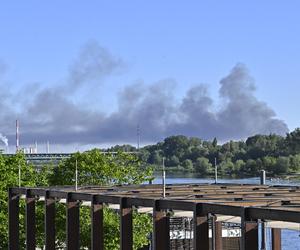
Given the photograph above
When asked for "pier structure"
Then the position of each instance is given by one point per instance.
(208, 205)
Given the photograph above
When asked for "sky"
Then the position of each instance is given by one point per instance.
(81, 74)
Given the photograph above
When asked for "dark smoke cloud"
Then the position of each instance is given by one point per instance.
(92, 65)
(52, 114)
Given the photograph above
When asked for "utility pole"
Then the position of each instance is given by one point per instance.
(76, 176)
(19, 175)
(164, 178)
(216, 171)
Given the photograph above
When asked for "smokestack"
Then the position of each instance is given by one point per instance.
(48, 147)
(17, 136)
(36, 147)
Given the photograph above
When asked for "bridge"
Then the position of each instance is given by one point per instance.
(42, 159)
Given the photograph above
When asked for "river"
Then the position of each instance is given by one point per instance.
(290, 238)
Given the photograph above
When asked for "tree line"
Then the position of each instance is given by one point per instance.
(94, 168)
(278, 155)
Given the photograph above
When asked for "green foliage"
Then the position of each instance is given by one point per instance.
(237, 158)
(203, 166)
(9, 177)
(94, 168)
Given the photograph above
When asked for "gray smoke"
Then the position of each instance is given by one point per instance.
(93, 64)
(54, 114)
(243, 114)
(4, 139)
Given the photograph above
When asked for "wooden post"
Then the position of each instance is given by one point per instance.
(97, 226)
(276, 239)
(72, 224)
(249, 235)
(30, 221)
(218, 235)
(201, 238)
(13, 224)
(49, 222)
(126, 225)
(161, 232)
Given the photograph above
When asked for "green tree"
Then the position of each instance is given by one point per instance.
(269, 162)
(9, 177)
(295, 162)
(203, 166)
(188, 165)
(96, 168)
(282, 165)
(293, 141)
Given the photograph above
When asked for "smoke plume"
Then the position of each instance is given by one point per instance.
(4, 139)
(55, 114)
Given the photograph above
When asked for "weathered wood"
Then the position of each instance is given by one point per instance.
(13, 224)
(161, 231)
(218, 235)
(49, 222)
(276, 239)
(72, 224)
(97, 236)
(126, 225)
(250, 235)
(201, 227)
(30, 222)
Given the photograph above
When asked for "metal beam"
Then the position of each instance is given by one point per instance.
(72, 224)
(13, 224)
(30, 221)
(49, 222)
(126, 237)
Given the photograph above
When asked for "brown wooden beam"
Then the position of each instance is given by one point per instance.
(250, 235)
(126, 230)
(276, 239)
(218, 235)
(49, 222)
(161, 231)
(13, 224)
(97, 236)
(72, 224)
(201, 239)
(30, 222)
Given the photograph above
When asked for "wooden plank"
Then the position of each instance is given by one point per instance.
(13, 224)
(218, 235)
(30, 222)
(97, 236)
(250, 235)
(276, 239)
(72, 224)
(161, 231)
(201, 227)
(49, 222)
(126, 239)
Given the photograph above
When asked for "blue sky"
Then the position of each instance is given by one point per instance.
(186, 42)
